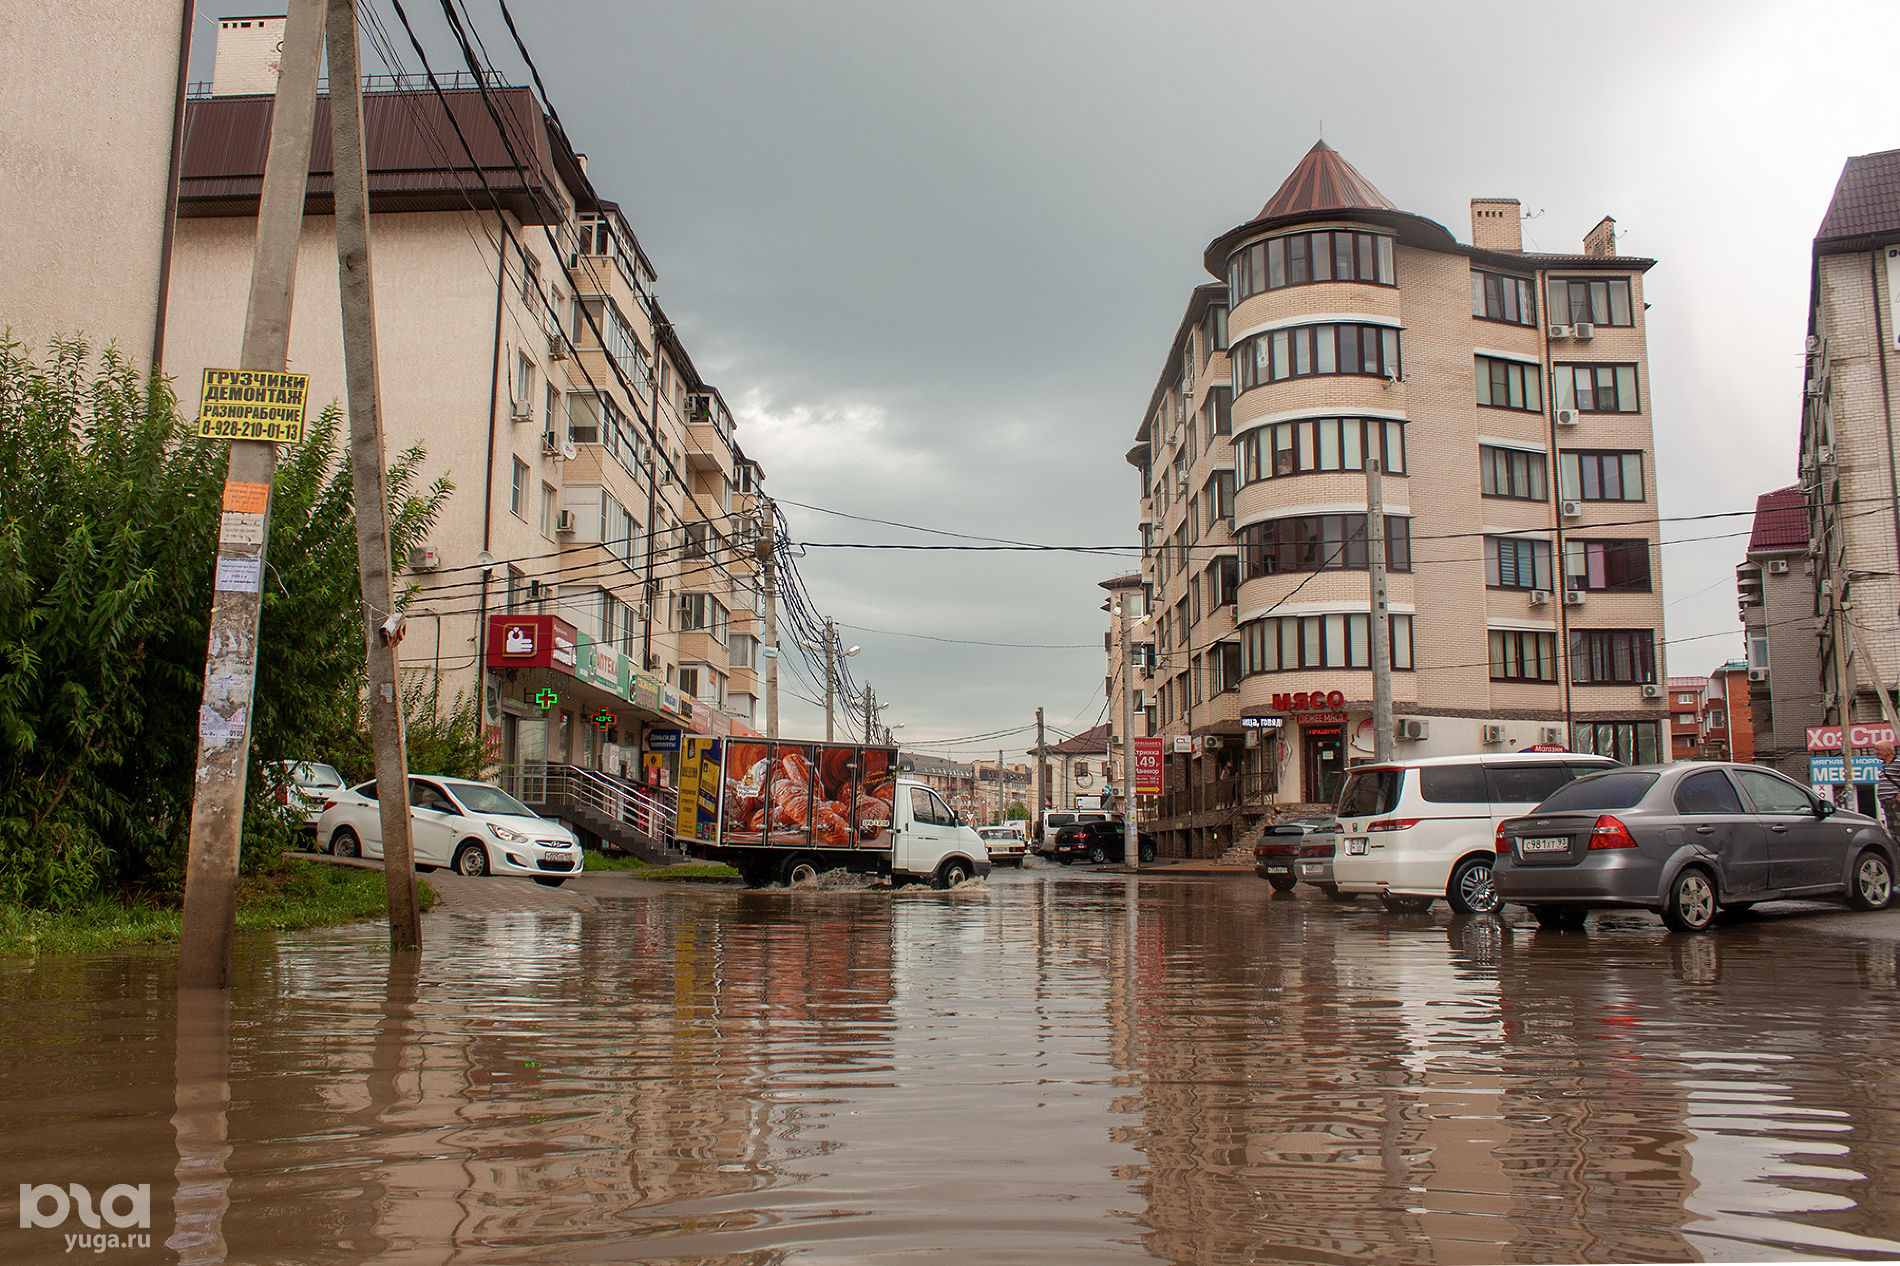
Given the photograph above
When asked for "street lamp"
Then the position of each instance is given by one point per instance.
(833, 652)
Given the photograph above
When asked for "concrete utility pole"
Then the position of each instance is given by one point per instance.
(870, 711)
(1131, 830)
(766, 548)
(1002, 793)
(1042, 790)
(831, 675)
(224, 724)
(1379, 619)
(382, 622)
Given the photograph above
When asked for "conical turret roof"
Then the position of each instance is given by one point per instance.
(1324, 181)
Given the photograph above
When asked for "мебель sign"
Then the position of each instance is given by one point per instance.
(246, 404)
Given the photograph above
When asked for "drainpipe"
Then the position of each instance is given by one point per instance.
(488, 484)
(1555, 476)
(163, 299)
(1886, 394)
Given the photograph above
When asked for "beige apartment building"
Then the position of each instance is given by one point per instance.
(1505, 394)
(592, 578)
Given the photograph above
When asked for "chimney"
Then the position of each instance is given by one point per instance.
(249, 50)
(1601, 240)
(1497, 225)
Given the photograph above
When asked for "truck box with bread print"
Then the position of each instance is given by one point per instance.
(782, 812)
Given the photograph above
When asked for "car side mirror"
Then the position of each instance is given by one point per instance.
(1823, 808)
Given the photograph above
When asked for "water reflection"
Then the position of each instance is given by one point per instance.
(1057, 1067)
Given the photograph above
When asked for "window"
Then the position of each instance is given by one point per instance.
(1620, 566)
(553, 404)
(1220, 497)
(1597, 475)
(1632, 742)
(1213, 331)
(1319, 542)
(1578, 299)
(1685, 698)
(1512, 473)
(1527, 784)
(1771, 793)
(1707, 792)
(616, 338)
(617, 528)
(689, 681)
(518, 491)
(1612, 657)
(1305, 258)
(550, 505)
(1217, 412)
(1307, 351)
(1285, 643)
(1509, 384)
(523, 394)
(1226, 574)
(517, 588)
(701, 612)
(1230, 670)
(1499, 297)
(1596, 388)
(1523, 655)
(742, 651)
(1515, 563)
(1454, 784)
(700, 540)
(1306, 445)
(531, 282)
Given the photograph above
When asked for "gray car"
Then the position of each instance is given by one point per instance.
(1687, 841)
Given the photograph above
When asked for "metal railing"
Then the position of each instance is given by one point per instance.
(650, 812)
(390, 83)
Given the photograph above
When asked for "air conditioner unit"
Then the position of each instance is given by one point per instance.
(550, 443)
(425, 558)
(643, 612)
(1807, 465)
(564, 522)
(1777, 567)
(1830, 701)
(666, 475)
(1540, 597)
(1583, 329)
(1825, 454)
(1573, 597)
(1210, 742)
(1411, 730)
(1560, 331)
(1758, 674)
(1651, 690)
(1551, 734)
(1572, 509)
(1491, 734)
(557, 345)
(1814, 547)
(521, 411)
(1817, 386)
(569, 452)
(1814, 344)
(1566, 417)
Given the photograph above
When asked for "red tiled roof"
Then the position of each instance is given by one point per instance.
(1324, 181)
(1688, 683)
(1781, 521)
(1866, 200)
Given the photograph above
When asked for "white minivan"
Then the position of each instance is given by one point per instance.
(1416, 830)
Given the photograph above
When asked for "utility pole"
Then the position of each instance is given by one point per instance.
(1131, 830)
(1379, 619)
(382, 622)
(831, 674)
(870, 711)
(1002, 794)
(1042, 791)
(224, 726)
(766, 548)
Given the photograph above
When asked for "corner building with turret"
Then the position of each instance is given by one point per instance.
(1505, 395)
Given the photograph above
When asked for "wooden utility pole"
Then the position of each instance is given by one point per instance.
(1380, 621)
(768, 555)
(224, 719)
(382, 621)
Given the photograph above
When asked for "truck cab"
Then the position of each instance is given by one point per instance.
(930, 843)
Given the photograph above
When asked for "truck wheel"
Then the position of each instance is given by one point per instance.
(953, 872)
(755, 874)
(799, 869)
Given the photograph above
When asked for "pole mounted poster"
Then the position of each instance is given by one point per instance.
(245, 404)
(1148, 766)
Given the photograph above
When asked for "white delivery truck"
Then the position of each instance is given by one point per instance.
(778, 811)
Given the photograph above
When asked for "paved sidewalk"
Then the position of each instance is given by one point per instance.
(492, 894)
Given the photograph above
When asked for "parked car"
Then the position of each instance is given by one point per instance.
(1005, 845)
(1276, 858)
(1054, 820)
(1413, 831)
(1099, 842)
(476, 827)
(305, 785)
(1687, 841)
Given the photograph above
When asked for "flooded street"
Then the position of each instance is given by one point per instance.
(1033, 1070)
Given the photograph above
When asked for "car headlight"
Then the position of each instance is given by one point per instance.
(505, 834)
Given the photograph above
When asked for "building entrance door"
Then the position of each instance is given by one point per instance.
(1325, 762)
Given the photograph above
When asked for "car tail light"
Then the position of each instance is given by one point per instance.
(1609, 832)
(1393, 824)
(328, 805)
(1503, 843)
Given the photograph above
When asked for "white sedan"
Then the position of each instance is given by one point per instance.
(475, 827)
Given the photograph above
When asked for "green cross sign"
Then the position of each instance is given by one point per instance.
(545, 698)
(604, 719)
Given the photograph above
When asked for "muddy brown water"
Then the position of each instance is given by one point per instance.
(1043, 1070)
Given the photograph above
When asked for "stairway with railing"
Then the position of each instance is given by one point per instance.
(624, 815)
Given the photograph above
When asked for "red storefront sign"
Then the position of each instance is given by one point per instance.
(1827, 738)
(1148, 766)
(530, 641)
(1310, 701)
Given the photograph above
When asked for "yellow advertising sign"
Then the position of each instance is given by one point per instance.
(688, 811)
(245, 404)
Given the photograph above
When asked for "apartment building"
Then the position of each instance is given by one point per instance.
(592, 578)
(1077, 772)
(1847, 452)
(1505, 395)
(1776, 590)
(1686, 697)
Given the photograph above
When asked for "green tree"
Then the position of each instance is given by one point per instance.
(108, 527)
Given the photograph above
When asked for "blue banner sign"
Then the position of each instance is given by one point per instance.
(1825, 771)
(666, 741)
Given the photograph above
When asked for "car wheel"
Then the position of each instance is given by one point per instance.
(424, 868)
(799, 870)
(1472, 890)
(1406, 905)
(1282, 883)
(345, 844)
(471, 859)
(953, 872)
(1692, 903)
(550, 881)
(1559, 918)
(1334, 894)
(1872, 886)
(1097, 854)
(1147, 852)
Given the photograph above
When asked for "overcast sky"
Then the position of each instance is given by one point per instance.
(932, 254)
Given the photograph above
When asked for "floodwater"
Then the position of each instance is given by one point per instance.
(1054, 1067)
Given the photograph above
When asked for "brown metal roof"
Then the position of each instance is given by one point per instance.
(1086, 743)
(1131, 581)
(1866, 201)
(1781, 521)
(1324, 181)
(416, 161)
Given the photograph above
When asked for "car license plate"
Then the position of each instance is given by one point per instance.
(1312, 868)
(1544, 844)
(1356, 846)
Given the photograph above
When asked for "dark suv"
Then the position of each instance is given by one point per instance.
(1097, 842)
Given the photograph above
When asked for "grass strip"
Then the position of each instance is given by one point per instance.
(647, 870)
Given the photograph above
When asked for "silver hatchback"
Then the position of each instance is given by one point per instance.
(1687, 841)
